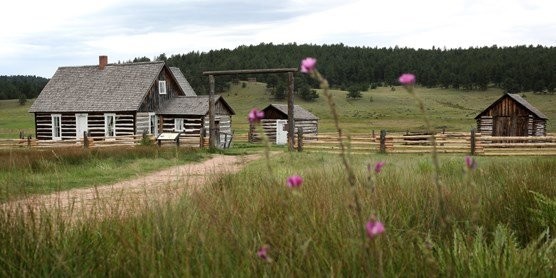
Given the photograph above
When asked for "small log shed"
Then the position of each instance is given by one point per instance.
(511, 115)
(273, 112)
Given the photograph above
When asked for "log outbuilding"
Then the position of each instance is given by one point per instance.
(275, 122)
(189, 115)
(511, 115)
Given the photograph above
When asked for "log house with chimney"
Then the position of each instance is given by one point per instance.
(109, 100)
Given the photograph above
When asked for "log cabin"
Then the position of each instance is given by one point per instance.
(109, 100)
(274, 114)
(511, 115)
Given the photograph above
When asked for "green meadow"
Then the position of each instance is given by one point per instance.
(382, 108)
(499, 223)
(497, 220)
(14, 119)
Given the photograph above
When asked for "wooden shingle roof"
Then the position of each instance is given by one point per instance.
(520, 101)
(191, 105)
(299, 113)
(182, 81)
(118, 87)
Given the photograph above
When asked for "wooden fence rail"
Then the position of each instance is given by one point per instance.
(448, 142)
(86, 142)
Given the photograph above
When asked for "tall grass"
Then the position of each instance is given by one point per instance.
(493, 225)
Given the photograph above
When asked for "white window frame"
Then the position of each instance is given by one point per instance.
(106, 127)
(162, 87)
(153, 124)
(56, 129)
(178, 124)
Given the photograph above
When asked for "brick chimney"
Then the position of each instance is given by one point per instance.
(102, 62)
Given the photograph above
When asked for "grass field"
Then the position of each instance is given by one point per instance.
(499, 223)
(497, 220)
(15, 118)
(390, 110)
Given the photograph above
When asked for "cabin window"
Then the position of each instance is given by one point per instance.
(56, 127)
(153, 124)
(162, 87)
(109, 125)
(178, 124)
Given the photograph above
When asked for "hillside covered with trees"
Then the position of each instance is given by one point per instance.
(514, 69)
(21, 86)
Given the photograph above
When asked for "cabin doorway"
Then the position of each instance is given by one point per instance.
(281, 132)
(81, 125)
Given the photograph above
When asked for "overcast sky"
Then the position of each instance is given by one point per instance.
(38, 36)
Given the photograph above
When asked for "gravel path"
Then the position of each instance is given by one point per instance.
(131, 196)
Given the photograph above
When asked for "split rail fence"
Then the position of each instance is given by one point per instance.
(449, 142)
(89, 142)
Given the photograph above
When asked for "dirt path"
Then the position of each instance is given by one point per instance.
(131, 196)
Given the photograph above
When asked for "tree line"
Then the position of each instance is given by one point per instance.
(21, 86)
(514, 69)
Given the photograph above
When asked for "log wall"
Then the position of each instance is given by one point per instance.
(310, 128)
(509, 118)
(125, 125)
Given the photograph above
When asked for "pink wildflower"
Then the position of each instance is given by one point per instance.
(374, 228)
(263, 253)
(308, 64)
(378, 166)
(407, 79)
(470, 163)
(294, 181)
(255, 115)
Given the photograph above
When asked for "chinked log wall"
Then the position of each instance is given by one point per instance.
(310, 128)
(95, 121)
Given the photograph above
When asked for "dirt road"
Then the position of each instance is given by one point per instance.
(130, 196)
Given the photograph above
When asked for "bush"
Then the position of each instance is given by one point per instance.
(22, 100)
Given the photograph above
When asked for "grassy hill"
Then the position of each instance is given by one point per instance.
(383, 108)
(378, 109)
(14, 118)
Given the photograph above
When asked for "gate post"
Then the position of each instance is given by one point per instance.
(291, 119)
(212, 124)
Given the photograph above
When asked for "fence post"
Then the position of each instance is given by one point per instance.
(85, 140)
(472, 141)
(299, 139)
(29, 141)
(178, 140)
(373, 137)
(383, 141)
(144, 137)
(250, 133)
